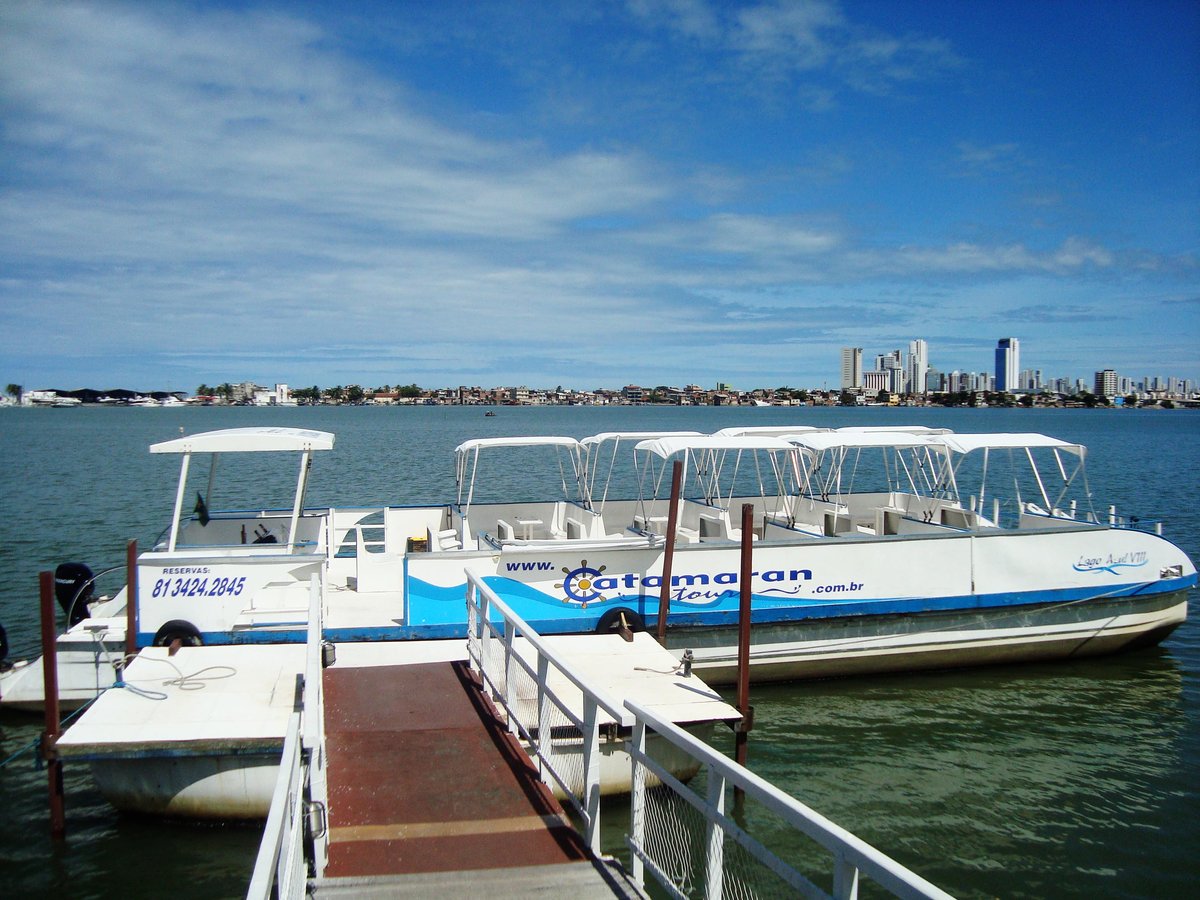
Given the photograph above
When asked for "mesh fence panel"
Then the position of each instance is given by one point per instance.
(677, 834)
(509, 681)
(674, 839)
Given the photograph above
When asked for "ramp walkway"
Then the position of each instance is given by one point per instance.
(430, 793)
(416, 780)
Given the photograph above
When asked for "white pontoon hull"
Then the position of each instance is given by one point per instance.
(226, 787)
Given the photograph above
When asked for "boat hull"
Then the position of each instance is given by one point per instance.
(913, 642)
(82, 675)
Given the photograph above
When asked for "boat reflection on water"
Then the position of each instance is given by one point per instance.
(994, 780)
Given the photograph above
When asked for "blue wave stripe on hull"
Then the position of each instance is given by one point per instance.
(443, 613)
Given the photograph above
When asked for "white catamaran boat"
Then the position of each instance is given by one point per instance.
(858, 567)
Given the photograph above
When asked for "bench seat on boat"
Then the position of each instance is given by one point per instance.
(446, 539)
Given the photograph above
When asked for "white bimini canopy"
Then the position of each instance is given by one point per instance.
(767, 430)
(615, 436)
(667, 446)
(520, 441)
(248, 440)
(909, 429)
(821, 442)
(967, 443)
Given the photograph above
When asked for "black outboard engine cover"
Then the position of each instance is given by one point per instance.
(73, 586)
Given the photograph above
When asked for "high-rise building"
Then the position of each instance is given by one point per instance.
(918, 365)
(852, 370)
(893, 364)
(1106, 383)
(1008, 364)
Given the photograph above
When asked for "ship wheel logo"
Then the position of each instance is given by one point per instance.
(580, 584)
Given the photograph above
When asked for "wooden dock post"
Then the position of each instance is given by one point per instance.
(664, 594)
(742, 733)
(54, 774)
(131, 601)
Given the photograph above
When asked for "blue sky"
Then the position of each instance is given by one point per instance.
(592, 194)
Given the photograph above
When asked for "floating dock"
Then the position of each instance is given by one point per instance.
(427, 789)
(194, 734)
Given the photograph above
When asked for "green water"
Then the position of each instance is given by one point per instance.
(1060, 780)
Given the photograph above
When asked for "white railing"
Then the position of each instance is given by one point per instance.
(565, 744)
(694, 848)
(281, 868)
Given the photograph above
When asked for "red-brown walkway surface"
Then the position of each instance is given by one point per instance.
(423, 778)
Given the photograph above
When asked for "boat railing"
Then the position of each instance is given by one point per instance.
(349, 528)
(692, 842)
(1033, 516)
(298, 804)
(539, 690)
(1135, 523)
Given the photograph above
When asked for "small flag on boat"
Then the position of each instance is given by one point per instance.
(201, 509)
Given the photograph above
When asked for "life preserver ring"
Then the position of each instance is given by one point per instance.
(178, 630)
(611, 621)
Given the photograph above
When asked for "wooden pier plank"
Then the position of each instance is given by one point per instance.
(424, 778)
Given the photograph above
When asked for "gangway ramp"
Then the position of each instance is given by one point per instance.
(416, 782)
(430, 794)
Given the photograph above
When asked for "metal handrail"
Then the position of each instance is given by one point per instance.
(852, 856)
(481, 601)
(609, 704)
(280, 869)
(279, 866)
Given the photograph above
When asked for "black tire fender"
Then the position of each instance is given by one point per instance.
(611, 620)
(178, 630)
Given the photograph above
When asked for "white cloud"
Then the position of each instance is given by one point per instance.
(965, 258)
(691, 18)
(988, 156)
(782, 39)
(208, 188)
(795, 32)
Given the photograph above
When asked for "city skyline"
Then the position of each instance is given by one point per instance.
(897, 371)
(655, 191)
(901, 371)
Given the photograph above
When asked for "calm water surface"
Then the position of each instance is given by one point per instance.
(1059, 780)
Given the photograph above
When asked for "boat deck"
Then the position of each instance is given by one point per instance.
(429, 793)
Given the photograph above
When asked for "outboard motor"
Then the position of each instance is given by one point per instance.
(74, 587)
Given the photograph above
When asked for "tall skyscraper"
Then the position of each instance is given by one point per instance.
(918, 365)
(852, 371)
(1106, 383)
(1008, 364)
